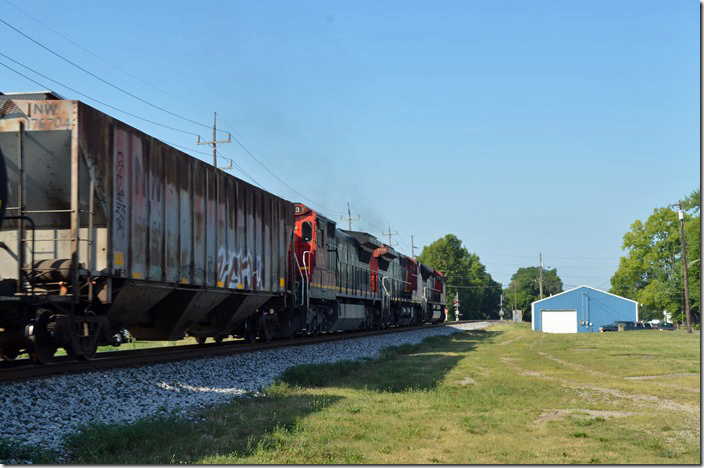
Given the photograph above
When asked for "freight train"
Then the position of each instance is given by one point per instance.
(108, 229)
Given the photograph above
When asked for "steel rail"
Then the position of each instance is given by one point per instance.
(22, 369)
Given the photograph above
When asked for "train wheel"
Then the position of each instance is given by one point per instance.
(218, 338)
(201, 340)
(9, 354)
(250, 329)
(314, 328)
(90, 352)
(41, 346)
(91, 348)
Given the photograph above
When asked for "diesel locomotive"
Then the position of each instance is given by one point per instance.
(108, 229)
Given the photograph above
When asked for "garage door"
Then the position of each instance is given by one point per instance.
(559, 321)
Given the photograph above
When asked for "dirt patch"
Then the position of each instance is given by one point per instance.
(510, 341)
(468, 381)
(552, 415)
(663, 376)
(532, 374)
(535, 342)
(602, 395)
(648, 400)
(508, 360)
(573, 365)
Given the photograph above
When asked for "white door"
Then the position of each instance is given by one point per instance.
(559, 321)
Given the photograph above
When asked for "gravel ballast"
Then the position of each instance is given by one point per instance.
(41, 412)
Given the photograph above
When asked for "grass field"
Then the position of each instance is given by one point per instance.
(501, 395)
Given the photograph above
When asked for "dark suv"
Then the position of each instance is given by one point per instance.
(665, 326)
(614, 326)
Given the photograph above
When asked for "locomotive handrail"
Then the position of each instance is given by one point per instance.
(307, 284)
(383, 285)
(298, 265)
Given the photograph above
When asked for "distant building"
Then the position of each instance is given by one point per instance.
(580, 310)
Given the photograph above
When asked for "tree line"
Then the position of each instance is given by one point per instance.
(650, 272)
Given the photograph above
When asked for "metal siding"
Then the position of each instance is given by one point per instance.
(223, 243)
(258, 254)
(284, 237)
(139, 228)
(268, 215)
(200, 223)
(156, 215)
(592, 306)
(240, 248)
(185, 189)
(211, 245)
(171, 216)
(233, 242)
(249, 240)
(121, 203)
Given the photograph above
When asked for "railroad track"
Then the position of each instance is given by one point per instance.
(23, 369)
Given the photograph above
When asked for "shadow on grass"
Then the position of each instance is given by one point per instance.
(246, 426)
(408, 367)
(236, 429)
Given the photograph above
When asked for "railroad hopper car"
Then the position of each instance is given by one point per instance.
(107, 228)
(349, 280)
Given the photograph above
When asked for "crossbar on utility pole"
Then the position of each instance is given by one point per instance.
(389, 233)
(349, 217)
(215, 142)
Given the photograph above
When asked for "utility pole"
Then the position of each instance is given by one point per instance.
(349, 217)
(413, 249)
(514, 300)
(684, 265)
(215, 142)
(457, 306)
(541, 275)
(389, 233)
(501, 303)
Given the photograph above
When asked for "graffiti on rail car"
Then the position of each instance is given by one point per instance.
(238, 271)
(121, 199)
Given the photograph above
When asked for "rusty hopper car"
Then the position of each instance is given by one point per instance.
(108, 228)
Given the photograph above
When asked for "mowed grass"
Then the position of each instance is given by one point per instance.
(500, 395)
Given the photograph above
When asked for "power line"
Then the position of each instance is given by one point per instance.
(101, 79)
(119, 110)
(281, 180)
(106, 61)
(219, 155)
(82, 94)
(244, 172)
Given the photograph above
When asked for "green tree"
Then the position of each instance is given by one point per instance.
(651, 272)
(465, 275)
(527, 289)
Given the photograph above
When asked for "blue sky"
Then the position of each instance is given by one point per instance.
(523, 127)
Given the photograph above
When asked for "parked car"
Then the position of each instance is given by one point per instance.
(644, 326)
(665, 326)
(614, 326)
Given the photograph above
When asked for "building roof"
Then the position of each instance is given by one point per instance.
(580, 287)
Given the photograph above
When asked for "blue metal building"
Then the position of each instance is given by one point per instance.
(580, 310)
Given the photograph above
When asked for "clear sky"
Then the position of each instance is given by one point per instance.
(522, 127)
